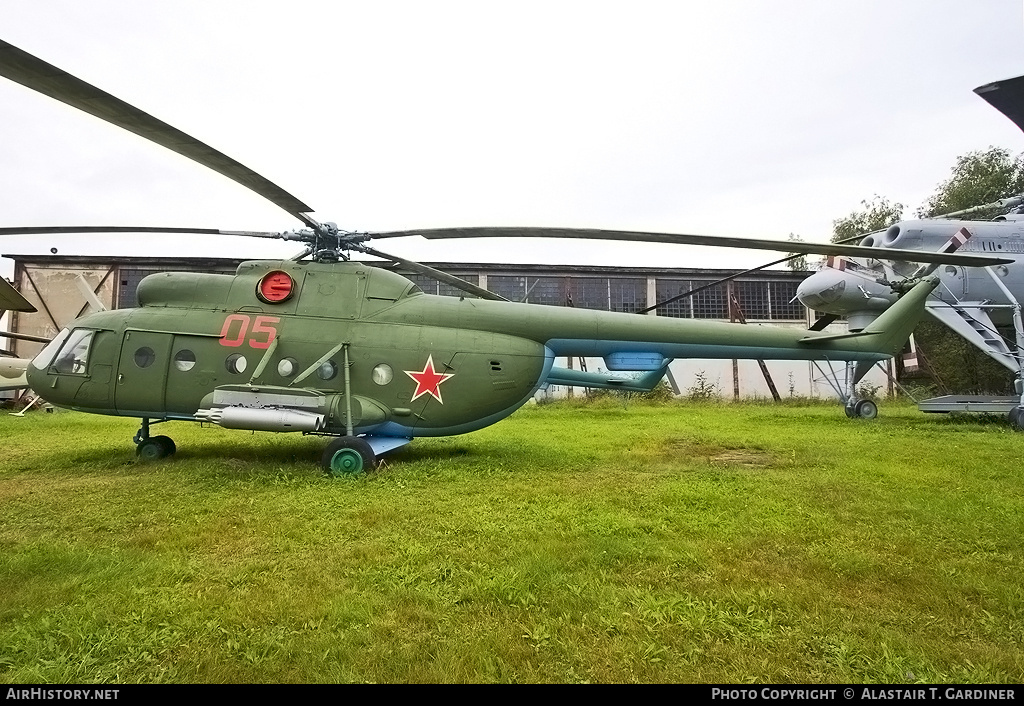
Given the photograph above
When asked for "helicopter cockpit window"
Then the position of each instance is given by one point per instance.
(73, 357)
(46, 356)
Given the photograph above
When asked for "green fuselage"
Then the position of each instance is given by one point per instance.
(417, 364)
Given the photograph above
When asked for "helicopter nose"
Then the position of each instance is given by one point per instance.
(822, 289)
(12, 373)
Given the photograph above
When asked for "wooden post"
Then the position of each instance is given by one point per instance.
(736, 314)
(730, 297)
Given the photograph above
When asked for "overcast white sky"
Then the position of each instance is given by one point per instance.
(731, 117)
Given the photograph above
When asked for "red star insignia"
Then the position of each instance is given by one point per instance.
(428, 381)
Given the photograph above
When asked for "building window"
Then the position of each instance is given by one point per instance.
(666, 289)
(753, 299)
(429, 285)
(781, 297)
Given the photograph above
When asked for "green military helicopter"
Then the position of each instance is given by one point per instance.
(323, 345)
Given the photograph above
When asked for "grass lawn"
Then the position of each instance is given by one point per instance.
(569, 543)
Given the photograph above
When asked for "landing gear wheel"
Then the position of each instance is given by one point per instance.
(155, 447)
(348, 455)
(865, 409)
(850, 407)
(1016, 417)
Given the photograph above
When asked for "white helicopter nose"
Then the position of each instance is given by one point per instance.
(844, 293)
(822, 289)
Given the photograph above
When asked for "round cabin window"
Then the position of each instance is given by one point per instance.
(236, 363)
(184, 360)
(287, 367)
(144, 357)
(382, 374)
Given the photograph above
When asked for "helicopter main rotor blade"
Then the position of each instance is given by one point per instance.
(1007, 97)
(454, 281)
(36, 74)
(24, 337)
(791, 246)
(752, 270)
(12, 300)
(57, 230)
(822, 323)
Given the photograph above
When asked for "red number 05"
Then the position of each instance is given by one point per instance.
(234, 336)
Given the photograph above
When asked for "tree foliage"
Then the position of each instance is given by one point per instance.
(961, 367)
(978, 178)
(797, 262)
(877, 214)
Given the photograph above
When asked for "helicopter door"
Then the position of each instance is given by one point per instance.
(191, 370)
(142, 373)
(956, 281)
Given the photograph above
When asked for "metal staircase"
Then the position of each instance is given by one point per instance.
(972, 322)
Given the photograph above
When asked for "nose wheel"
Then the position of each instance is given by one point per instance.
(152, 448)
(155, 447)
(861, 409)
